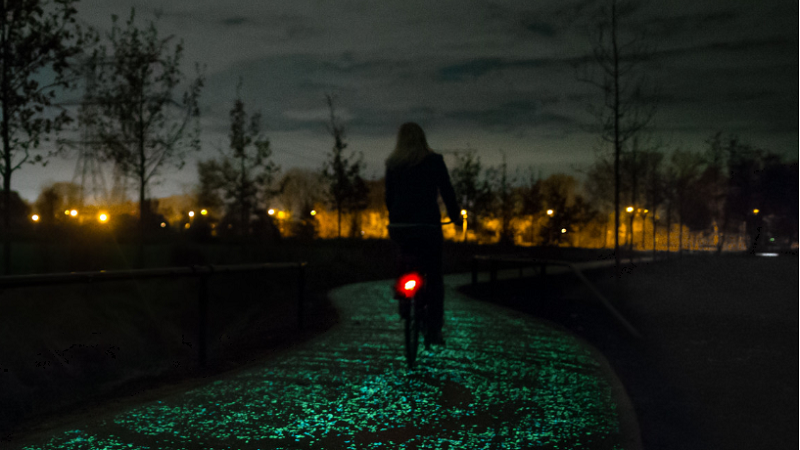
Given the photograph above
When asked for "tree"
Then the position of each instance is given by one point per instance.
(654, 185)
(473, 191)
(616, 71)
(683, 172)
(143, 124)
(506, 201)
(559, 196)
(531, 201)
(244, 175)
(39, 41)
(347, 190)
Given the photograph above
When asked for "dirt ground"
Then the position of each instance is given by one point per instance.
(717, 366)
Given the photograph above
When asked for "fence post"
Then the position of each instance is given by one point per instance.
(301, 280)
(202, 329)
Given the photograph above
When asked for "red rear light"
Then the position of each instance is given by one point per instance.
(408, 284)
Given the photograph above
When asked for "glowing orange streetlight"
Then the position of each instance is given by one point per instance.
(281, 215)
(203, 212)
(563, 230)
(550, 212)
(73, 213)
(103, 217)
(756, 211)
(629, 209)
(271, 212)
(35, 217)
(163, 225)
(191, 213)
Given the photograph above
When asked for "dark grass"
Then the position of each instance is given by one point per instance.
(717, 366)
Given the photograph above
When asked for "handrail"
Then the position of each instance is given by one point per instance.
(134, 274)
(201, 272)
(545, 262)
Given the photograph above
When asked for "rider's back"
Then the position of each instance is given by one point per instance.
(411, 192)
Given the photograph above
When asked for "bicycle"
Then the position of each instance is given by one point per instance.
(410, 290)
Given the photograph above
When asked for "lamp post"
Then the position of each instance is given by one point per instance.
(464, 223)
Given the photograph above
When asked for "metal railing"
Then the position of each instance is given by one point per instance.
(520, 263)
(203, 273)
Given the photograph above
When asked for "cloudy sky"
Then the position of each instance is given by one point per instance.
(493, 76)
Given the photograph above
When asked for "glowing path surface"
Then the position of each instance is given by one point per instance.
(502, 382)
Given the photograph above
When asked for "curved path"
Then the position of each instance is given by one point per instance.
(502, 382)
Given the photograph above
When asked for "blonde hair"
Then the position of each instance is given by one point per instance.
(411, 147)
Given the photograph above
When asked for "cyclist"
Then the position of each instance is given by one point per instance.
(415, 175)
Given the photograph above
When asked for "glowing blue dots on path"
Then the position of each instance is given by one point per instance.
(502, 382)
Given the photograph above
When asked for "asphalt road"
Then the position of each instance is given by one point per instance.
(504, 381)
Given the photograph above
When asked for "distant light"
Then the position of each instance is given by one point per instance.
(203, 212)
(646, 211)
(771, 255)
(187, 226)
(756, 211)
(163, 225)
(191, 214)
(464, 212)
(772, 239)
(563, 230)
(281, 215)
(35, 217)
(103, 217)
(66, 212)
(362, 232)
(410, 285)
(629, 209)
(271, 212)
(313, 212)
(549, 212)
(73, 213)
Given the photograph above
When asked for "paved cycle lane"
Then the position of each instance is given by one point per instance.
(502, 382)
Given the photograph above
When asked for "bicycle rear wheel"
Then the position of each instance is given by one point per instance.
(412, 336)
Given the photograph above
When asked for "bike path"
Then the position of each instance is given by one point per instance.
(502, 382)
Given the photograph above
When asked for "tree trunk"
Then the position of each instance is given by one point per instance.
(617, 143)
(6, 148)
(669, 227)
(654, 235)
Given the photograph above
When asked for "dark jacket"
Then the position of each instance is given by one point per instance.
(412, 192)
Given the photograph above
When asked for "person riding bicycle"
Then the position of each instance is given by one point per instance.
(415, 175)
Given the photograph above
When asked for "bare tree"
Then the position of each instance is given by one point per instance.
(39, 41)
(143, 123)
(616, 69)
(243, 175)
(346, 188)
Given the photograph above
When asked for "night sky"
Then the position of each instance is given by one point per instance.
(494, 76)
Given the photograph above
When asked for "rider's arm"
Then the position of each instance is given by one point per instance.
(448, 194)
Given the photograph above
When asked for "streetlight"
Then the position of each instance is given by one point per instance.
(464, 223)
(191, 213)
(103, 217)
(203, 212)
(550, 212)
(271, 212)
(35, 217)
(73, 213)
(629, 209)
(563, 230)
(756, 211)
(313, 212)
